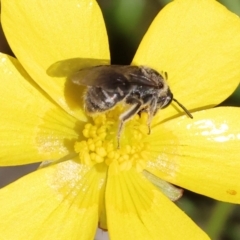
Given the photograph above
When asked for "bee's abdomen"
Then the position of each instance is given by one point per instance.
(99, 100)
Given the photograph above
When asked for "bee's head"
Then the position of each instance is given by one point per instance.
(165, 99)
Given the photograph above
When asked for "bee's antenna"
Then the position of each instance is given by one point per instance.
(185, 110)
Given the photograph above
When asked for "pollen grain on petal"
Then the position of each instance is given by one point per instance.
(232, 192)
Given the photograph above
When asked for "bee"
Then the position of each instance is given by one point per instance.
(140, 87)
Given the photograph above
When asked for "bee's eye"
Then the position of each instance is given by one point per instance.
(164, 101)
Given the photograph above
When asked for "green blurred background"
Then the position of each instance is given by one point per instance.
(126, 22)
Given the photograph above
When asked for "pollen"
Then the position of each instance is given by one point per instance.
(99, 144)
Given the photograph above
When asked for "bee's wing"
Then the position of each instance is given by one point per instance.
(111, 77)
(141, 80)
(108, 77)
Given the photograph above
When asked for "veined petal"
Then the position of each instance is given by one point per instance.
(58, 202)
(32, 127)
(42, 33)
(200, 154)
(137, 210)
(197, 42)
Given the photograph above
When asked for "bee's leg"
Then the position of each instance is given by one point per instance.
(150, 116)
(151, 112)
(134, 109)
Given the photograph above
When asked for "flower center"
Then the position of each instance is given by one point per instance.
(100, 143)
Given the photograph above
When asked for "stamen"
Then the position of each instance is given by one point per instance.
(100, 143)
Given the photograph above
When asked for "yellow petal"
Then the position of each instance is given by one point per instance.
(43, 33)
(137, 210)
(200, 154)
(197, 42)
(59, 202)
(32, 127)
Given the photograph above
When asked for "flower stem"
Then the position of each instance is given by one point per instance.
(218, 218)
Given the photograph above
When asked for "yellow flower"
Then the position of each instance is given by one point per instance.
(197, 42)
